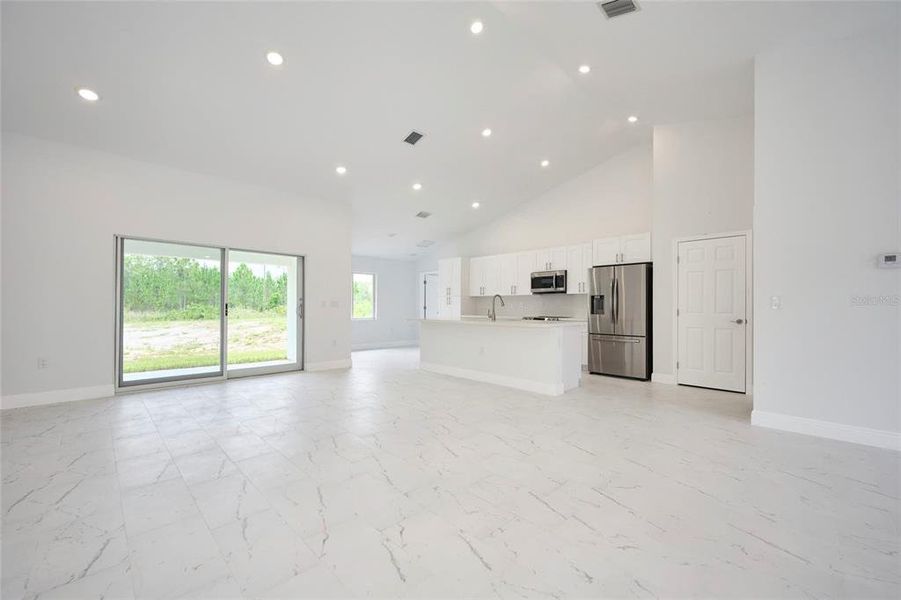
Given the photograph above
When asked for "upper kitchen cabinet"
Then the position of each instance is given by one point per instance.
(635, 248)
(450, 282)
(484, 276)
(476, 269)
(526, 264)
(552, 259)
(605, 251)
(506, 274)
(632, 248)
(578, 261)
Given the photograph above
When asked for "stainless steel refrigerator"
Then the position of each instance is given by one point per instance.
(619, 321)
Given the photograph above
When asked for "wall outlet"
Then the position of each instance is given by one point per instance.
(42, 363)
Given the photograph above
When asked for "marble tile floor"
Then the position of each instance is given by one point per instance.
(384, 481)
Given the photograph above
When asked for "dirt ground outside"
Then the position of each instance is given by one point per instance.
(156, 345)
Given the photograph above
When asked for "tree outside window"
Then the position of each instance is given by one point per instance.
(364, 296)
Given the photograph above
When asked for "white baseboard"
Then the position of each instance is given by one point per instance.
(327, 365)
(56, 396)
(663, 378)
(548, 389)
(879, 438)
(379, 345)
(107, 391)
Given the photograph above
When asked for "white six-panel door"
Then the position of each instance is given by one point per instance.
(711, 318)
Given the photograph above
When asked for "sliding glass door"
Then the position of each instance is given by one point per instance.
(170, 311)
(199, 312)
(265, 309)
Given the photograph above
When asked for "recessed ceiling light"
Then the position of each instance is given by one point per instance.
(545, 162)
(88, 94)
(584, 69)
(417, 186)
(341, 170)
(275, 59)
(476, 205)
(476, 27)
(633, 119)
(486, 132)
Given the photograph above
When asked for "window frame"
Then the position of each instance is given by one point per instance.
(375, 304)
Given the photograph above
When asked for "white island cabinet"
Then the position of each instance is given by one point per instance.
(536, 356)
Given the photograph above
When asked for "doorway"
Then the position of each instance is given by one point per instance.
(194, 312)
(428, 295)
(713, 300)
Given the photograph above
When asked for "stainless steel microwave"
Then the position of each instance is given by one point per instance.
(549, 282)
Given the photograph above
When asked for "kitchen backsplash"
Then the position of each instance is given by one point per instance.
(563, 305)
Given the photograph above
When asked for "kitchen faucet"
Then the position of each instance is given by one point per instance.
(492, 314)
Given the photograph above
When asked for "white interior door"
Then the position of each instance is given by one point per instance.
(711, 317)
(431, 296)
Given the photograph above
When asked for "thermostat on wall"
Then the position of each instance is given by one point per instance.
(890, 261)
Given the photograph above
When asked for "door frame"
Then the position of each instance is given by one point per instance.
(189, 380)
(749, 300)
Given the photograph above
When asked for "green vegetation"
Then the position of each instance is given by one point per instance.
(179, 360)
(164, 288)
(171, 314)
(364, 293)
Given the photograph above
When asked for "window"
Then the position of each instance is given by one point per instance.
(364, 296)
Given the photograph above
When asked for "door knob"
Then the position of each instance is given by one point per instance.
(739, 321)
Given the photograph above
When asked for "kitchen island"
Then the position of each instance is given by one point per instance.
(536, 356)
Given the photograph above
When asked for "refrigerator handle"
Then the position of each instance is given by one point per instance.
(616, 299)
(613, 300)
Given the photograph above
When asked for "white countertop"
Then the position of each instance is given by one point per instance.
(506, 322)
(508, 318)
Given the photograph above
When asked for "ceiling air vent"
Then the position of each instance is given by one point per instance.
(423, 214)
(616, 8)
(425, 243)
(414, 137)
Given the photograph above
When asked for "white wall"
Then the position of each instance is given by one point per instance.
(828, 200)
(703, 184)
(62, 205)
(612, 198)
(396, 304)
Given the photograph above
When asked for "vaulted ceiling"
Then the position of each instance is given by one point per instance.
(187, 85)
